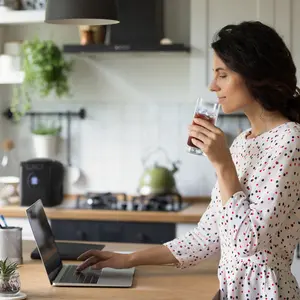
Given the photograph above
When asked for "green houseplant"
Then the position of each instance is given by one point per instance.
(43, 129)
(9, 278)
(46, 140)
(45, 71)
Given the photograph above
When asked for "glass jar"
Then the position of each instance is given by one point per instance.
(10, 285)
(9, 174)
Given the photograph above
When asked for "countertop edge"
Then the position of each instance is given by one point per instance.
(191, 214)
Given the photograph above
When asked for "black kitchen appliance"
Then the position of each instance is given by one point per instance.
(41, 179)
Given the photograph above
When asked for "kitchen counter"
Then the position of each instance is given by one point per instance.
(150, 282)
(191, 214)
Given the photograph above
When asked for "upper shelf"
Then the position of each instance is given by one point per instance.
(21, 16)
(12, 78)
(95, 48)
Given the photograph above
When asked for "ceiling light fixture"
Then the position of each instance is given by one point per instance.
(81, 12)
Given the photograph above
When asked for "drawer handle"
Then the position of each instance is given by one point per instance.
(81, 235)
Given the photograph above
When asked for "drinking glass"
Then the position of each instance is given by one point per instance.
(206, 110)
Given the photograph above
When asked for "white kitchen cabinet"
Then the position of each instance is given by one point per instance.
(208, 16)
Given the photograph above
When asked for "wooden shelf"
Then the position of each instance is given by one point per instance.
(22, 17)
(125, 48)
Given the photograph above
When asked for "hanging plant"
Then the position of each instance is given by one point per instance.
(45, 70)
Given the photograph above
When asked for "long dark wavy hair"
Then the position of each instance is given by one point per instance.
(257, 52)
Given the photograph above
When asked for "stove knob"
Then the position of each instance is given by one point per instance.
(147, 206)
(135, 206)
(124, 206)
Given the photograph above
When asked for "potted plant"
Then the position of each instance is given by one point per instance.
(9, 278)
(45, 71)
(46, 140)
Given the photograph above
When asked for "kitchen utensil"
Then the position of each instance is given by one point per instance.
(158, 180)
(11, 244)
(72, 172)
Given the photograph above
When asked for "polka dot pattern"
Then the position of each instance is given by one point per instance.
(258, 228)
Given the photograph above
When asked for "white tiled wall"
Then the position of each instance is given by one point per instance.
(109, 144)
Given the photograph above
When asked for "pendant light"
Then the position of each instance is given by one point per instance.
(82, 12)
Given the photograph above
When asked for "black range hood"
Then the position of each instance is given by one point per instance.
(141, 28)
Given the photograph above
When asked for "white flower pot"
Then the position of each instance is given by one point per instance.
(45, 146)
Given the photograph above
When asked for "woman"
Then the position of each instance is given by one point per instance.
(253, 217)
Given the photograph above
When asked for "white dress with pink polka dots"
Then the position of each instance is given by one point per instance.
(258, 229)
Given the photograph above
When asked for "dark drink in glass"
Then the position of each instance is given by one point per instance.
(205, 110)
(211, 119)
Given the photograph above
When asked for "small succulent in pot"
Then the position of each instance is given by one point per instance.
(9, 278)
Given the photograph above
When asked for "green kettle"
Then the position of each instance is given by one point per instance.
(158, 180)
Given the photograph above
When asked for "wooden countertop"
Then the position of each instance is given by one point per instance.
(191, 214)
(150, 282)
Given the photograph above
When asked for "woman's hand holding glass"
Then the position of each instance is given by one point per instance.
(211, 140)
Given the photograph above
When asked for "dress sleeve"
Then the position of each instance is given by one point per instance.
(199, 243)
(249, 221)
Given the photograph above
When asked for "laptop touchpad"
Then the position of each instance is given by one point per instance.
(92, 271)
(116, 277)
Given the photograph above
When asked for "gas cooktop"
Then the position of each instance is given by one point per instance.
(119, 201)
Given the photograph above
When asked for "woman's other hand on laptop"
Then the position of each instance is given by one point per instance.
(98, 259)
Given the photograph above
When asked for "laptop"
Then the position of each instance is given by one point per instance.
(60, 274)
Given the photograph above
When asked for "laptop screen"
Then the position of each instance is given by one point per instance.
(44, 239)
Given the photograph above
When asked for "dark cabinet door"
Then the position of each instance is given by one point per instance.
(113, 231)
(142, 23)
(76, 231)
(149, 233)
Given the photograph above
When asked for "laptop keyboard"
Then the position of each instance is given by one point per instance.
(73, 276)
